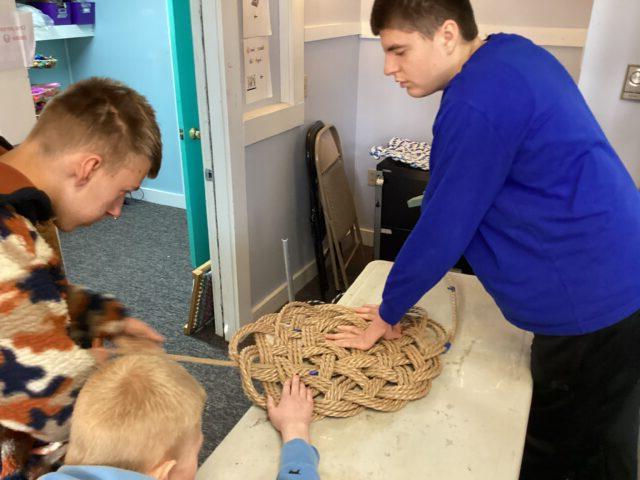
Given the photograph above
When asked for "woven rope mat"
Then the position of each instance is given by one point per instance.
(343, 381)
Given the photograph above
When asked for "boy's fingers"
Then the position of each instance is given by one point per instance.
(302, 390)
(350, 329)
(345, 331)
(100, 354)
(368, 308)
(286, 387)
(309, 395)
(339, 336)
(346, 343)
(358, 343)
(295, 385)
(137, 328)
(270, 403)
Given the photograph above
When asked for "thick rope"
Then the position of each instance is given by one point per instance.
(343, 381)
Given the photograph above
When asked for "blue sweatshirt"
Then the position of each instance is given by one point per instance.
(299, 461)
(525, 184)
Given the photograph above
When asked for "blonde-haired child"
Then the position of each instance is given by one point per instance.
(140, 417)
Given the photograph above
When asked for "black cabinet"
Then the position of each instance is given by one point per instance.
(394, 220)
(397, 184)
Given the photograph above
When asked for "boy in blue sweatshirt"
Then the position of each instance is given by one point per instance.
(139, 418)
(526, 186)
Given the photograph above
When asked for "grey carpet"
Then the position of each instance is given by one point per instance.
(143, 259)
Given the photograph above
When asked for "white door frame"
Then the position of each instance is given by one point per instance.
(221, 126)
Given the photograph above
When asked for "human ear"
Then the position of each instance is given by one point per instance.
(86, 167)
(449, 34)
(162, 471)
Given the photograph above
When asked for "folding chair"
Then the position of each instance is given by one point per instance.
(316, 217)
(337, 202)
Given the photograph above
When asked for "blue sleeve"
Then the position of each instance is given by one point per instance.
(298, 461)
(471, 160)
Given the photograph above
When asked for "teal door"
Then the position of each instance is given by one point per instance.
(188, 122)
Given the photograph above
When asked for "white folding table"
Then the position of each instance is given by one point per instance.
(471, 425)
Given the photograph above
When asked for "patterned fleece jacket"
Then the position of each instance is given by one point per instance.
(46, 326)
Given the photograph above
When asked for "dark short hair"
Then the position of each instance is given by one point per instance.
(105, 115)
(424, 16)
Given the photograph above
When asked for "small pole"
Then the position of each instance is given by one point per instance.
(287, 269)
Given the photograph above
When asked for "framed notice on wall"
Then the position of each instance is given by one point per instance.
(257, 69)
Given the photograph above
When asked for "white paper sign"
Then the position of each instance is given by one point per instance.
(256, 18)
(17, 42)
(257, 69)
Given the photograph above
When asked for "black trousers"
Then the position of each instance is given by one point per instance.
(583, 422)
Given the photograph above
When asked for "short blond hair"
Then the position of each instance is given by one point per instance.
(104, 115)
(134, 413)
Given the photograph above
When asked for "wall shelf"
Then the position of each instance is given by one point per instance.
(61, 32)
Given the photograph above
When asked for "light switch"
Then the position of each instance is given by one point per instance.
(631, 89)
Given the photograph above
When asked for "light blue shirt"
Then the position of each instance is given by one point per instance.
(298, 461)
(92, 472)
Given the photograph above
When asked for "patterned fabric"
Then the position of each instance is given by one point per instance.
(406, 151)
(46, 324)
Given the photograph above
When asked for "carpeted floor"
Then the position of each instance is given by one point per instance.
(143, 259)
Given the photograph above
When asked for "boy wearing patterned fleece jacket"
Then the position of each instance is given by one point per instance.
(92, 144)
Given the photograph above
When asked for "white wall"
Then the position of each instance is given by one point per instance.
(276, 207)
(326, 12)
(612, 44)
(331, 67)
(384, 110)
(277, 185)
(547, 13)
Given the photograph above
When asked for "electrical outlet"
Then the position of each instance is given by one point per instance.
(631, 89)
(372, 175)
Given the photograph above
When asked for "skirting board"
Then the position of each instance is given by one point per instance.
(278, 297)
(163, 198)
